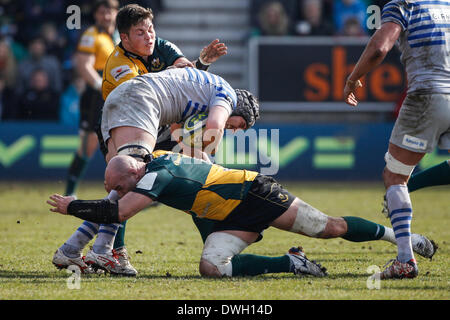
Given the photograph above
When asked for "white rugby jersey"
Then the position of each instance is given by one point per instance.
(183, 92)
(424, 42)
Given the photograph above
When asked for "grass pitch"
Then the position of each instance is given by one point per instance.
(165, 248)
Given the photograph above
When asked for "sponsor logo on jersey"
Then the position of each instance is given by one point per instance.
(413, 142)
(440, 15)
(120, 71)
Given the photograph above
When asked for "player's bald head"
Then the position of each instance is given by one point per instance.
(118, 168)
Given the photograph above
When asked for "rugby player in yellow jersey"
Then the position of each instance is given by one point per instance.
(95, 45)
(243, 204)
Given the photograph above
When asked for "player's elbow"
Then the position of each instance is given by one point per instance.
(379, 49)
(379, 53)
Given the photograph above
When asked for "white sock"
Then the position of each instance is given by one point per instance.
(400, 213)
(107, 232)
(389, 235)
(79, 239)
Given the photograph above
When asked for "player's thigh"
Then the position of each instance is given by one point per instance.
(422, 124)
(124, 135)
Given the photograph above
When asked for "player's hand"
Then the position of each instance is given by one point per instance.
(60, 203)
(349, 92)
(213, 51)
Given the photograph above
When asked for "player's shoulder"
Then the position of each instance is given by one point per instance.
(119, 66)
(118, 57)
(399, 3)
(88, 38)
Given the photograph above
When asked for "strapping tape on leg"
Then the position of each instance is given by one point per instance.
(395, 166)
(137, 150)
(309, 220)
(220, 248)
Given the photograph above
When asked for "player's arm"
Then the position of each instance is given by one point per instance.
(209, 54)
(102, 211)
(215, 125)
(175, 129)
(84, 63)
(376, 50)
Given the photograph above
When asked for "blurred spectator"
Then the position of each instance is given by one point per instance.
(8, 71)
(70, 102)
(379, 3)
(40, 102)
(31, 14)
(54, 42)
(345, 9)
(311, 21)
(38, 59)
(8, 68)
(272, 20)
(352, 28)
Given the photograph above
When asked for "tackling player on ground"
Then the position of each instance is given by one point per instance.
(243, 203)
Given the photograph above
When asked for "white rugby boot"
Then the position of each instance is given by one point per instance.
(423, 246)
(107, 262)
(302, 265)
(61, 261)
(124, 260)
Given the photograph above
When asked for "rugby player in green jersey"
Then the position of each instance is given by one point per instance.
(242, 203)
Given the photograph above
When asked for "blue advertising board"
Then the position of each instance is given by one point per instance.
(37, 151)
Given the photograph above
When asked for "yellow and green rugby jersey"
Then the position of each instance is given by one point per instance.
(99, 43)
(123, 65)
(194, 186)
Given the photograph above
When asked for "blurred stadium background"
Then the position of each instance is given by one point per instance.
(294, 54)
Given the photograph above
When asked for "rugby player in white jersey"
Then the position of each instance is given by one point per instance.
(422, 30)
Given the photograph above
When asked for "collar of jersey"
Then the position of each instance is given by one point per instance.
(134, 56)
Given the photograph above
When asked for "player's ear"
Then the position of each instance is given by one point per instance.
(124, 36)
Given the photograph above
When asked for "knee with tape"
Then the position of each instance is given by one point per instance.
(395, 166)
(220, 248)
(138, 150)
(309, 220)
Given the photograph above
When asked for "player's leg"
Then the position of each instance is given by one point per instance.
(163, 142)
(90, 109)
(423, 123)
(399, 165)
(246, 264)
(88, 146)
(261, 206)
(306, 220)
(433, 176)
(220, 248)
(138, 143)
(71, 251)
